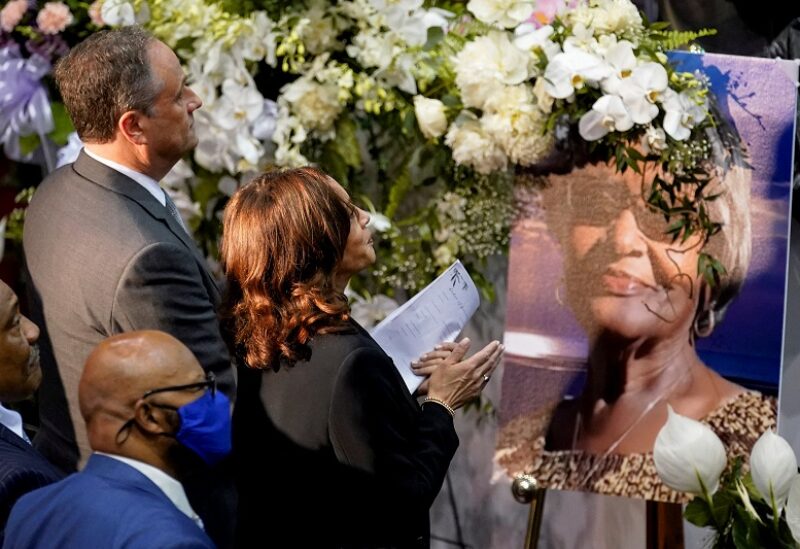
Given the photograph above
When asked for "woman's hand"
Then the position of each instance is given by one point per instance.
(427, 363)
(455, 380)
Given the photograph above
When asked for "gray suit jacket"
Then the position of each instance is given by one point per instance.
(105, 257)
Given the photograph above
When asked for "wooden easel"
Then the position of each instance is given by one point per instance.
(664, 520)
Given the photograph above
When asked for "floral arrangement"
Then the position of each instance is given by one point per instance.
(759, 508)
(425, 111)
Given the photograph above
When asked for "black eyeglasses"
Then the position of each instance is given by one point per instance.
(210, 383)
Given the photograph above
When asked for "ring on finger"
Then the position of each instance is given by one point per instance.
(486, 378)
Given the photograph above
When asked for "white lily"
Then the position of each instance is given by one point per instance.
(571, 70)
(643, 90)
(793, 508)
(608, 114)
(689, 456)
(682, 113)
(773, 466)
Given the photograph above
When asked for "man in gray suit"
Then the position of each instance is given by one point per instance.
(105, 249)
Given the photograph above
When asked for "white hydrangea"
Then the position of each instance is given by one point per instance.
(512, 120)
(472, 146)
(501, 13)
(315, 104)
(319, 31)
(486, 63)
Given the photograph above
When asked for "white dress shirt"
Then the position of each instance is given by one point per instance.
(150, 184)
(170, 486)
(13, 422)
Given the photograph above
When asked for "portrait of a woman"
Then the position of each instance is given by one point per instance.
(637, 295)
(331, 449)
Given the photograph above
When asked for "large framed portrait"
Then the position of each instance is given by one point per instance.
(608, 322)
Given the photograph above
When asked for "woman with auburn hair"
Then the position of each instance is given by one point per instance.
(331, 448)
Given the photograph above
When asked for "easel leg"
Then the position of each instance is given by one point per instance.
(664, 525)
(526, 490)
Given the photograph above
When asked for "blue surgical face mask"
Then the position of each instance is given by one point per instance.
(206, 426)
(205, 422)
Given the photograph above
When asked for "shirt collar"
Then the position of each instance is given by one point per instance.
(150, 184)
(13, 422)
(170, 486)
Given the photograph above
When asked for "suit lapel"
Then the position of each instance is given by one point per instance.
(119, 183)
(9, 436)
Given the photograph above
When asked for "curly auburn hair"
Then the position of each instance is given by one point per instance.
(284, 234)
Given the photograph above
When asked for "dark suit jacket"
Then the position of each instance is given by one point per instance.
(22, 469)
(110, 505)
(335, 452)
(105, 257)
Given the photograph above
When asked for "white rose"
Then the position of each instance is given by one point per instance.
(430, 116)
(502, 13)
(472, 146)
(315, 105)
(486, 63)
(512, 119)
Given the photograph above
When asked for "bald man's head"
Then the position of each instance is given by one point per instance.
(124, 367)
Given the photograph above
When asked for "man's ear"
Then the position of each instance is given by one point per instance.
(130, 126)
(153, 419)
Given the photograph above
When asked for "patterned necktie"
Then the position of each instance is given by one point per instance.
(173, 211)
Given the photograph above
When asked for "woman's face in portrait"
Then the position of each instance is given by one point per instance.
(359, 252)
(624, 275)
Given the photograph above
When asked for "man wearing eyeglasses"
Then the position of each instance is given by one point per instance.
(151, 414)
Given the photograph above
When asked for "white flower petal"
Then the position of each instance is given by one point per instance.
(773, 466)
(688, 455)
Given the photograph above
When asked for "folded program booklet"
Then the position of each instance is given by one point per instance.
(437, 313)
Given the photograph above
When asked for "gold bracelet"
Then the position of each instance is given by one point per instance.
(441, 403)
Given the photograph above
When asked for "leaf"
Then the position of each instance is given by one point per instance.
(435, 37)
(346, 142)
(397, 191)
(63, 124)
(29, 143)
(698, 512)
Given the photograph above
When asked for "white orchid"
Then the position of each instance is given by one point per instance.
(682, 113)
(501, 13)
(608, 114)
(69, 152)
(430, 115)
(773, 466)
(122, 13)
(643, 90)
(371, 310)
(261, 42)
(264, 126)
(238, 105)
(622, 61)
(178, 175)
(688, 455)
(582, 38)
(379, 222)
(528, 37)
(571, 70)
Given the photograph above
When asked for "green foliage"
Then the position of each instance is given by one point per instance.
(673, 40)
(735, 526)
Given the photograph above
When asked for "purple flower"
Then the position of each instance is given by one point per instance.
(49, 46)
(24, 106)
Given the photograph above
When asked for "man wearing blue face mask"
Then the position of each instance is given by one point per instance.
(150, 412)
